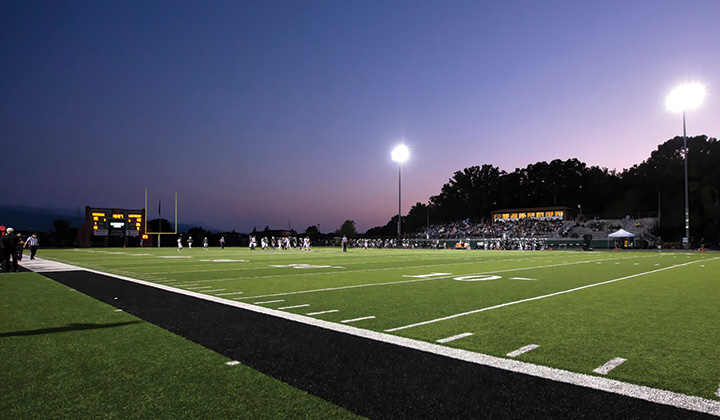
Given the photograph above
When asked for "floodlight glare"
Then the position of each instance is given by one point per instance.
(685, 97)
(400, 153)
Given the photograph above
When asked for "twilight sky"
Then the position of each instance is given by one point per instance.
(284, 113)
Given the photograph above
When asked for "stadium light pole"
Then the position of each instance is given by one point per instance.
(400, 154)
(683, 98)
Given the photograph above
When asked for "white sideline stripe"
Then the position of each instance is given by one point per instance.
(269, 301)
(599, 383)
(607, 367)
(41, 265)
(231, 293)
(357, 319)
(522, 350)
(454, 337)
(538, 297)
(323, 312)
(296, 306)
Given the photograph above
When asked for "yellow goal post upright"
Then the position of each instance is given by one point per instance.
(159, 217)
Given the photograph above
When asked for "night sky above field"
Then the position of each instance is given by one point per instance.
(284, 113)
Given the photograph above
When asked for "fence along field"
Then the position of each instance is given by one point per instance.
(644, 318)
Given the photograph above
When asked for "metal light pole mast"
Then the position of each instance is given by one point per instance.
(400, 154)
(687, 193)
(683, 98)
(399, 200)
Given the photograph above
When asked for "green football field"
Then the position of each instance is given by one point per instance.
(576, 311)
(642, 318)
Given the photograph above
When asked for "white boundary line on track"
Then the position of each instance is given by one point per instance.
(659, 396)
(562, 292)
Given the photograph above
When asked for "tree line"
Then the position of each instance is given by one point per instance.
(654, 187)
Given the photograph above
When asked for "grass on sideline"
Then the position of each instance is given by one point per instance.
(66, 355)
(656, 310)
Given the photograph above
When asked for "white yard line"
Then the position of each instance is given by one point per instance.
(502, 305)
(522, 350)
(454, 337)
(231, 293)
(357, 319)
(295, 306)
(323, 312)
(607, 367)
(645, 393)
(389, 283)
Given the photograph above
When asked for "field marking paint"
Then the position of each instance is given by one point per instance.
(268, 301)
(335, 288)
(231, 293)
(285, 275)
(659, 396)
(296, 306)
(562, 292)
(199, 287)
(214, 290)
(426, 276)
(454, 337)
(357, 319)
(522, 350)
(390, 283)
(477, 277)
(718, 392)
(232, 363)
(304, 266)
(323, 312)
(607, 367)
(522, 278)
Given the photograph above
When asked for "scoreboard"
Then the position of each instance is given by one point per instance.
(114, 222)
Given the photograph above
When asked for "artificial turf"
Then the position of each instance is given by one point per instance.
(64, 355)
(370, 378)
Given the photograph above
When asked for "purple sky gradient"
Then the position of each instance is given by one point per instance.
(284, 113)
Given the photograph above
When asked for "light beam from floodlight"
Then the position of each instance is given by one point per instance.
(400, 154)
(684, 98)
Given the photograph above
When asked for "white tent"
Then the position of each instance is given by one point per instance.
(622, 233)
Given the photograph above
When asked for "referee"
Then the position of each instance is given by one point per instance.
(32, 243)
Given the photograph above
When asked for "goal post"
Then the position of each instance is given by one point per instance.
(160, 217)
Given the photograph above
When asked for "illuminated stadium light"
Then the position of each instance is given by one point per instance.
(401, 153)
(685, 97)
(681, 99)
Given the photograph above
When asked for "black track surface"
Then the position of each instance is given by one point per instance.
(373, 379)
